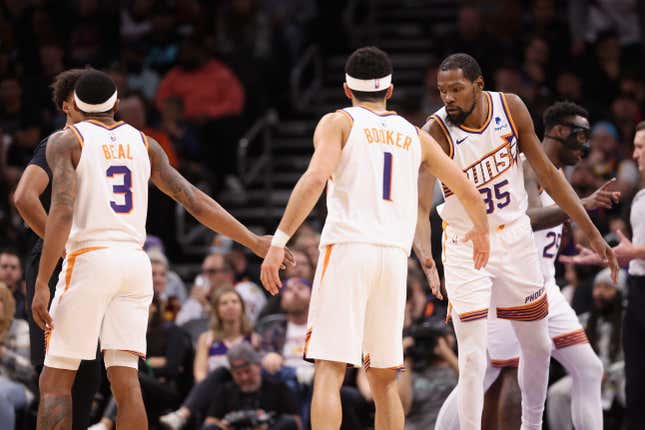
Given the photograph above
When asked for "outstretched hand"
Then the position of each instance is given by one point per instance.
(585, 257)
(607, 255)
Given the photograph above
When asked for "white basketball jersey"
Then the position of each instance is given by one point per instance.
(113, 172)
(489, 157)
(547, 242)
(372, 194)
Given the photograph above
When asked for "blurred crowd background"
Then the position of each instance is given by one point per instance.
(232, 89)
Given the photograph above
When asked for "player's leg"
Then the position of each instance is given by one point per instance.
(384, 388)
(326, 410)
(55, 385)
(471, 338)
(572, 350)
(382, 346)
(469, 292)
(519, 296)
(533, 372)
(336, 324)
(122, 369)
(586, 372)
(448, 417)
(86, 384)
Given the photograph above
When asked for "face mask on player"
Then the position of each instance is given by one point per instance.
(578, 139)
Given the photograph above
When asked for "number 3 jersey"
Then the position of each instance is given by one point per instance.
(112, 173)
(372, 194)
(489, 156)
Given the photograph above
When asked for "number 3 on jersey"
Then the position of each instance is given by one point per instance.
(387, 176)
(125, 188)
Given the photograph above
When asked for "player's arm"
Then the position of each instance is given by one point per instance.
(32, 184)
(206, 210)
(549, 216)
(541, 217)
(555, 183)
(329, 136)
(60, 152)
(441, 166)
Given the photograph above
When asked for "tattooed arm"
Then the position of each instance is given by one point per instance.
(63, 151)
(198, 204)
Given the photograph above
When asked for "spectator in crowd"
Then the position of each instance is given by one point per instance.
(17, 376)
(229, 327)
(251, 397)
(213, 98)
(132, 109)
(216, 273)
(183, 135)
(165, 284)
(139, 76)
(603, 326)
(11, 276)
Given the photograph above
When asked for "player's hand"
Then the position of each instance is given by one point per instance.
(606, 254)
(481, 246)
(270, 274)
(432, 276)
(624, 250)
(601, 198)
(586, 257)
(40, 304)
(261, 248)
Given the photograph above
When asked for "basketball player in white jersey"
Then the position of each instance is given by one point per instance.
(565, 142)
(369, 158)
(97, 218)
(484, 132)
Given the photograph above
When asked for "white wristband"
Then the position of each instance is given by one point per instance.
(280, 239)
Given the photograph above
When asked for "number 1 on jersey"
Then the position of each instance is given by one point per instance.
(387, 176)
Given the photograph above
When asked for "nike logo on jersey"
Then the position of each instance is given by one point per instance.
(461, 140)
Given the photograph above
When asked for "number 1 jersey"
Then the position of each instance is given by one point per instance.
(489, 156)
(372, 194)
(112, 173)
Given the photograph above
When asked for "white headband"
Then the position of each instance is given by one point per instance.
(90, 108)
(368, 85)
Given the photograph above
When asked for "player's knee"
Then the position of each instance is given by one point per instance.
(592, 370)
(56, 381)
(472, 361)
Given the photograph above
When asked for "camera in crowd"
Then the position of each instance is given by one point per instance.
(425, 334)
(248, 419)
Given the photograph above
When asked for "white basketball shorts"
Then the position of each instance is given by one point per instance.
(357, 306)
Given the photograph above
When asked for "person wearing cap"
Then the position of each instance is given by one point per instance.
(603, 326)
(251, 392)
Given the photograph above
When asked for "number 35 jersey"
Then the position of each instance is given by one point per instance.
(112, 173)
(372, 194)
(489, 156)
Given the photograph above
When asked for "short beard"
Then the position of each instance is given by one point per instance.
(462, 115)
